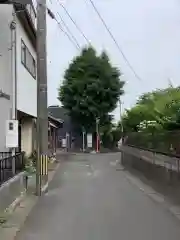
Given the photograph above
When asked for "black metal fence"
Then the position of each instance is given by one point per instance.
(6, 165)
(5, 154)
(163, 142)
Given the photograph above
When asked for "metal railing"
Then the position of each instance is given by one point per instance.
(6, 166)
(167, 142)
(5, 154)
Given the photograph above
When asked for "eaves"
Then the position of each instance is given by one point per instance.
(25, 19)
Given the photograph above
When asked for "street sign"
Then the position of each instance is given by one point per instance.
(12, 133)
(89, 140)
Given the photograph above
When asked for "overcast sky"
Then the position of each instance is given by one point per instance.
(148, 32)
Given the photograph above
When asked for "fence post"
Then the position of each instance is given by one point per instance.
(13, 154)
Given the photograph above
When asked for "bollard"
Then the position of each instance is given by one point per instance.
(25, 182)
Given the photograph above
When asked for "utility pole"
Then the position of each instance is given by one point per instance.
(97, 135)
(120, 115)
(42, 112)
(122, 131)
(83, 139)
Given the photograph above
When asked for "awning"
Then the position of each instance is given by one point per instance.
(52, 125)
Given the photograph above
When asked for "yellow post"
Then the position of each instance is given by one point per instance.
(44, 165)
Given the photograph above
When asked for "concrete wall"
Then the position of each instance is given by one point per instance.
(26, 84)
(5, 69)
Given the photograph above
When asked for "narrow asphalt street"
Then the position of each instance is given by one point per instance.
(90, 200)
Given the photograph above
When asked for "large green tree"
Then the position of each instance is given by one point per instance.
(91, 88)
(162, 107)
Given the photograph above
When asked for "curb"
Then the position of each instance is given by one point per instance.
(16, 203)
(50, 178)
(20, 209)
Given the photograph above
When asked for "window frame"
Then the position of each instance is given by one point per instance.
(23, 53)
(26, 53)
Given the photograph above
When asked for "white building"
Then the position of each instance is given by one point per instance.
(18, 82)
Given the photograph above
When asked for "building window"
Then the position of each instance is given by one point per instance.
(23, 52)
(34, 68)
(27, 60)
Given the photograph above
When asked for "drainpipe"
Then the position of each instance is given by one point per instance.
(14, 78)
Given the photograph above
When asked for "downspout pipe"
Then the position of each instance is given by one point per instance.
(14, 78)
(14, 66)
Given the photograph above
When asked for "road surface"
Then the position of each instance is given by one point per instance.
(90, 200)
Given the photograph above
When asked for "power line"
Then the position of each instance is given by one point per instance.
(68, 30)
(69, 37)
(114, 40)
(74, 22)
(52, 15)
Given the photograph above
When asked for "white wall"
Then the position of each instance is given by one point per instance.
(26, 84)
(5, 70)
(5, 108)
(26, 136)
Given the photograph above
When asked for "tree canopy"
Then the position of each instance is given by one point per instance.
(91, 88)
(158, 109)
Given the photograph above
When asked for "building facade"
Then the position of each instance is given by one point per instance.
(18, 73)
(61, 114)
(54, 125)
(69, 131)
